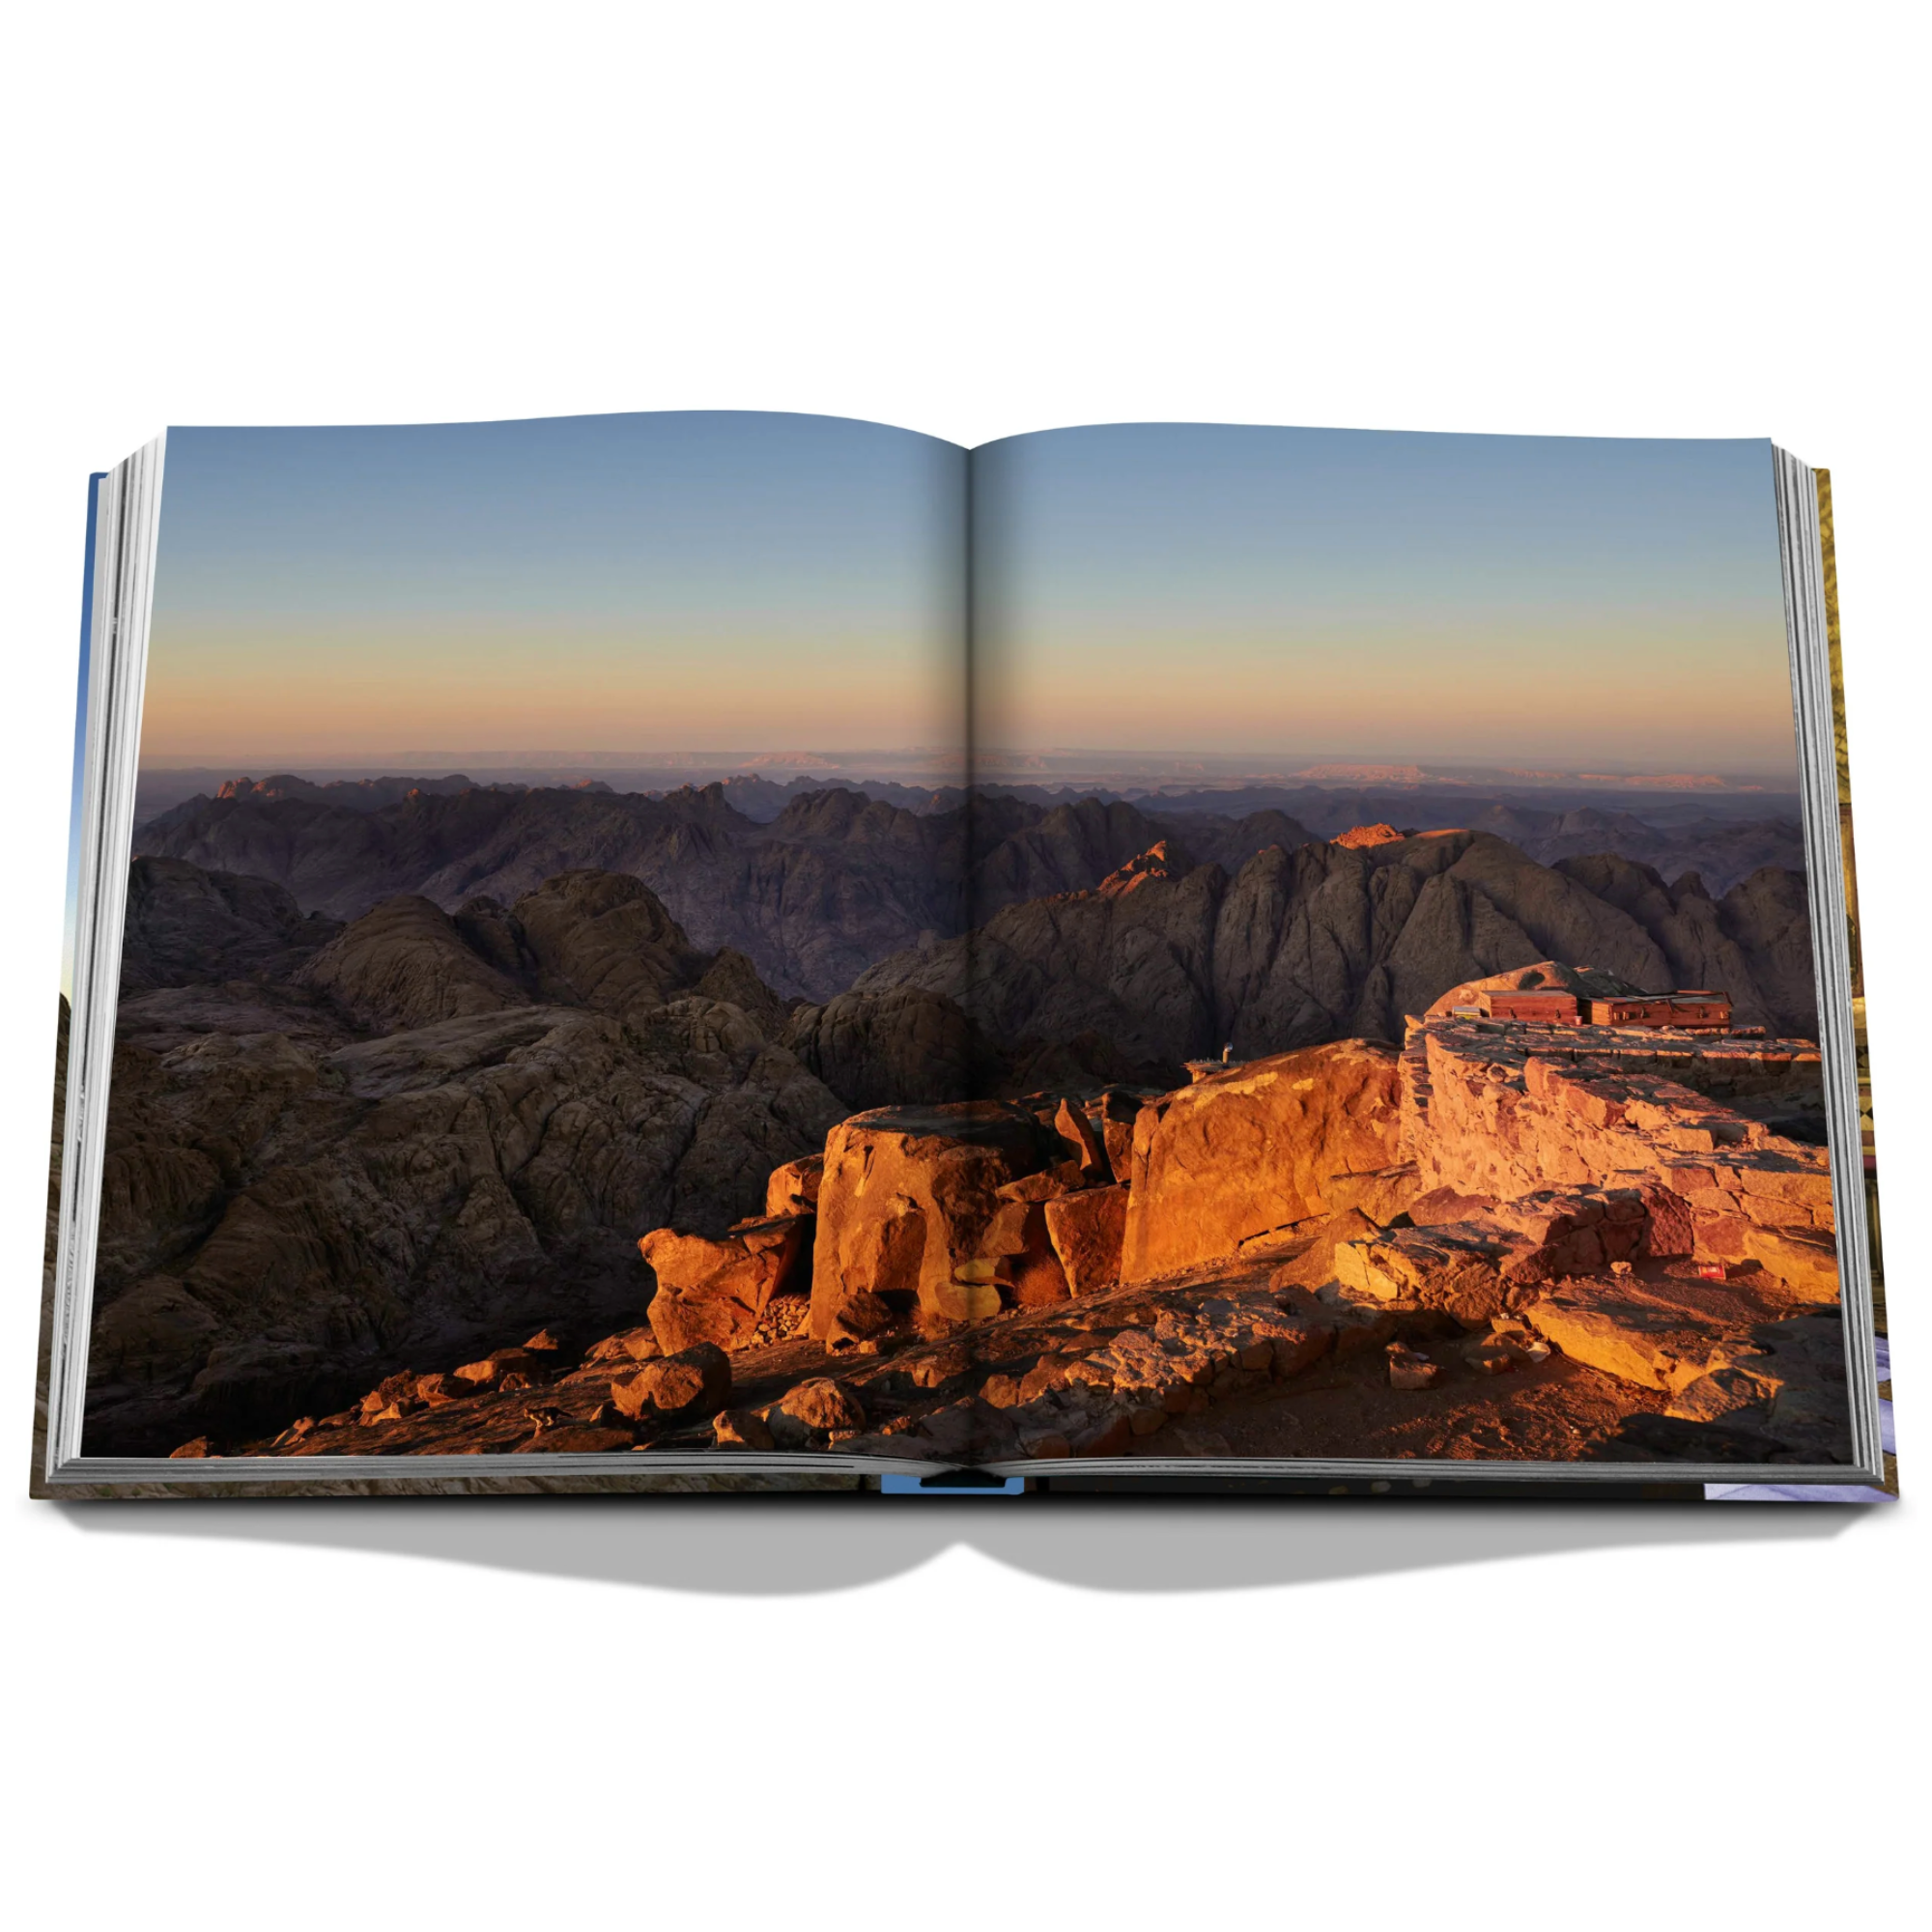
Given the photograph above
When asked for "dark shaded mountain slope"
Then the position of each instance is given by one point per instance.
(423, 1132)
(832, 884)
(1324, 943)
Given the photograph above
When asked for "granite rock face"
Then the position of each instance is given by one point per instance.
(1756, 937)
(714, 1290)
(906, 1044)
(695, 1381)
(793, 1188)
(906, 1202)
(605, 941)
(1321, 941)
(1255, 1148)
(406, 964)
(288, 1206)
(1088, 1228)
(185, 926)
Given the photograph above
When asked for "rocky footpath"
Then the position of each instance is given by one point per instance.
(1505, 1240)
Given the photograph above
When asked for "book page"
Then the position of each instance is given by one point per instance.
(519, 806)
(1165, 948)
(1397, 893)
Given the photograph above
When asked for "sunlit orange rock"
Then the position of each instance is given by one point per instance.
(694, 1381)
(1255, 1148)
(907, 1198)
(793, 1188)
(1018, 1256)
(714, 1290)
(1087, 1230)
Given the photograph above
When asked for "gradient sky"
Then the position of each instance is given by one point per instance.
(664, 583)
(1361, 595)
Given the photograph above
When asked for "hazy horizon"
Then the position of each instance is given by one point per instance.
(1520, 600)
(743, 588)
(1302, 763)
(686, 576)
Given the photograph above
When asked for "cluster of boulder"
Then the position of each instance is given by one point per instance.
(914, 1219)
(1109, 1272)
(1088, 1383)
(926, 1219)
(1604, 1192)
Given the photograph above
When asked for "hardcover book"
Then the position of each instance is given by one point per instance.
(753, 951)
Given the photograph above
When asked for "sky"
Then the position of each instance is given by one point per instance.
(722, 582)
(1360, 594)
(657, 582)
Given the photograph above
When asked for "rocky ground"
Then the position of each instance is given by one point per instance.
(1229, 1361)
(341, 1152)
(1507, 1242)
(330, 1147)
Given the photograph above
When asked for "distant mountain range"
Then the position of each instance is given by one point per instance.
(818, 884)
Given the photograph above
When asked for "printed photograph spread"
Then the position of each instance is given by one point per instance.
(766, 942)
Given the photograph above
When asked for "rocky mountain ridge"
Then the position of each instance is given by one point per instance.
(1329, 940)
(828, 883)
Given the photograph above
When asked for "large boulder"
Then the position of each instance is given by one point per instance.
(693, 1382)
(1018, 1256)
(906, 1200)
(1087, 1228)
(1472, 1269)
(806, 1415)
(714, 1290)
(1115, 1113)
(793, 1188)
(1661, 1334)
(1258, 1148)
(1315, 1265)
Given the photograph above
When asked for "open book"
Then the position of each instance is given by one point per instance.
(755, 949)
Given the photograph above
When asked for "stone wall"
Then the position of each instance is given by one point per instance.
(1496, 1111)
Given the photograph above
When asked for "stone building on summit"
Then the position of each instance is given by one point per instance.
(1691, 1011)
(1553, 994)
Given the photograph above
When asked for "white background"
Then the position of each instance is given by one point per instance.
(973, 219)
